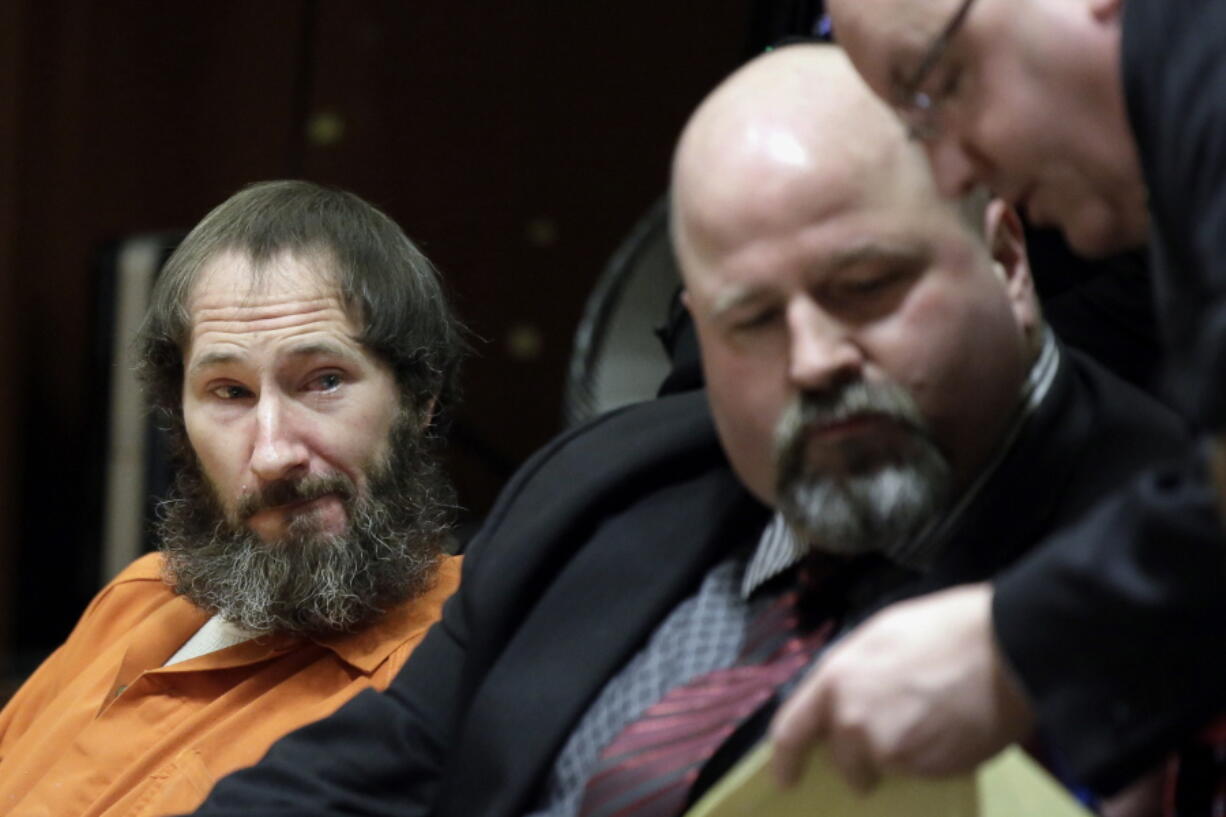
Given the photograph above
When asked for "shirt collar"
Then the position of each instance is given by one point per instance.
(368, 648)
(779, 548)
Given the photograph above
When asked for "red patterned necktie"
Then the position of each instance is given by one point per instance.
(647, 770)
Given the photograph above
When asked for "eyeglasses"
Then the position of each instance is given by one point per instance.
(918, 109)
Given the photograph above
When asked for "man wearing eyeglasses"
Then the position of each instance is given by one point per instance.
(1070, 109)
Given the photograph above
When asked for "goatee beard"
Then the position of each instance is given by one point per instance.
(877, 503)
(310, 582)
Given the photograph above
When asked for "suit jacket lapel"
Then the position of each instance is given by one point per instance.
(603, 604)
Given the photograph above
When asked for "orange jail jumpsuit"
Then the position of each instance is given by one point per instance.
(103, 729)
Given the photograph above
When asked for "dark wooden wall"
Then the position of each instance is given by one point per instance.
(516, 141)
(10, 313)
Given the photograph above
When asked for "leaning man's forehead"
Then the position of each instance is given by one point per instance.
(891, 34)
(893, 21)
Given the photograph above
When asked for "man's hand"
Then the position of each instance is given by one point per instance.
(1217, 471)
(919, 688)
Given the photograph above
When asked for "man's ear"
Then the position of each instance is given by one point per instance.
(685, 300)
(1006, 242)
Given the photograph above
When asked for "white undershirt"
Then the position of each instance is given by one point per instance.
(216, 634)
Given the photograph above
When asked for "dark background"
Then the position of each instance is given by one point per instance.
(517, 142)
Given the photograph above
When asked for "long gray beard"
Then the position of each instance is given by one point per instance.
(878, 506)
(311, 582)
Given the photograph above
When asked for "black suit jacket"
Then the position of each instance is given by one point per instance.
(1117, 627)
(593, 543)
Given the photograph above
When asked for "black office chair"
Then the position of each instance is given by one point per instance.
(618, 357)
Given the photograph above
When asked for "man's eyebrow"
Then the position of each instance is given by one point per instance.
(867, 253)
(738, 298)
(322, 349)
(216, 358)
(875, 251)
(305, 350)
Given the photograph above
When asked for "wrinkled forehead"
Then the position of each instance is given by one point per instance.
(288, 296)
(898, 22)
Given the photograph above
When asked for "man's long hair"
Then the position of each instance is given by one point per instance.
(392, 291)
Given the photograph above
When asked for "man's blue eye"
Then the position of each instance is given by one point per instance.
(328, 382)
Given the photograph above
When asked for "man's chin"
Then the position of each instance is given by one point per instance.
(878, 510)
(1099, 231)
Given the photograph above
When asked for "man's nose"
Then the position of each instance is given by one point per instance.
(954, 165)
(278, 451)
(823, 352)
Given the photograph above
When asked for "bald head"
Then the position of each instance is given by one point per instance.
(794, 119)
(782, 105)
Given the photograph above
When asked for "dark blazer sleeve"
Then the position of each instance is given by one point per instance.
(1115, 626)
(1174, 70)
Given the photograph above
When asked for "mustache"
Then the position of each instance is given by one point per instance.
(816, 409)
(289, 491)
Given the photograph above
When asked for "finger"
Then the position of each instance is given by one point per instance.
(797, 726)
(786, 763)
(850, 755)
